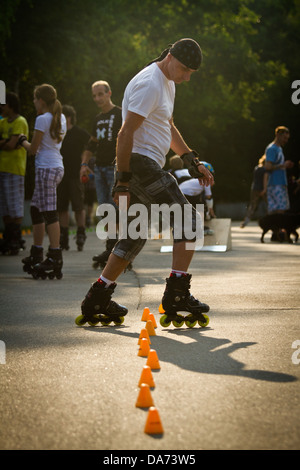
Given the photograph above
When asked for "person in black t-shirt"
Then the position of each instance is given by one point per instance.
(71, 188)
(103, 144)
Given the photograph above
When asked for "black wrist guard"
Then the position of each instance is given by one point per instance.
(192, 162)
(119, 189)
(21, 139)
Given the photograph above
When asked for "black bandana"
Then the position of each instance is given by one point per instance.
(188, 52)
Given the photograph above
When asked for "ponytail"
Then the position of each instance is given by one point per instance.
(48, 94)
(55, 128)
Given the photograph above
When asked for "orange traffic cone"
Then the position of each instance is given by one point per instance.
(152, 360)
(144, 334)
(153, 423)
(144, 399)
(152, 318)
(160, 309)
(147, 377)
(145, 314)
(150, 328)
(144, 348)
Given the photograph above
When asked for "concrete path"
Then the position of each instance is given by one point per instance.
(232, 385)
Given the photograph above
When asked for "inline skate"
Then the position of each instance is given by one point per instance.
(51, 267)
(64, 238)
(35, 257)
(177, 298)
(97, 306)
(80, 238)
(12, 241)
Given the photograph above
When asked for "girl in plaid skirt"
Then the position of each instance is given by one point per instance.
(49, 131)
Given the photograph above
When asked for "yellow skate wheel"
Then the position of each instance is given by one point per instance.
(205, 323)
(80, 321)
(163, 321)
(178, 324)
(160, 309)
(94, 321)
(121, 320)
(105, 321)
(189, 323)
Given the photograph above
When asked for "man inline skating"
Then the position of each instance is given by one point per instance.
(147, 134)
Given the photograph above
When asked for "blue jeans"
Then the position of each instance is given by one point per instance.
(104, 181)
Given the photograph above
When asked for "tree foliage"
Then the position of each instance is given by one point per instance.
(230, 108)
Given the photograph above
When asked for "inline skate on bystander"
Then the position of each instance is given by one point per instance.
(51, 267)
(97, 306)
(64, 238)
(101, 260)
(12, 241)
(177, 298)
(80, 238)
(35, 257)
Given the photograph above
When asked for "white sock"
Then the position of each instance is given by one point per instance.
(178, 273)
(107, 281)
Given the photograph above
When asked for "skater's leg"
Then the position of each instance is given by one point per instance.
(80, 218)
(38, 234)
(54, 234)
(114, 267)
(181, 256)
(64, 218)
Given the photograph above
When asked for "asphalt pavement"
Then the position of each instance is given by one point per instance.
(233, 385)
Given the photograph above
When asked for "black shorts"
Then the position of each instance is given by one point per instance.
(150, 184)
(70, 190)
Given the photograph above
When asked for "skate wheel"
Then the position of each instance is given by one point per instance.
(189, 323)
(205, 323)
(43, 276)
(178, 324)
(59, 276)
(105, 321)
(51, 276)
(160, 309)
(119, 322)
(94, 322)
(80, 320)
(163, 321)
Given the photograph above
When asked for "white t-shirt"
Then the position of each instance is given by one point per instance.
(193, 187)
(151, 95)
(48, 154)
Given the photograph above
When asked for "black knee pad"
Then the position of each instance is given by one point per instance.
(36, 216)
(50, 217)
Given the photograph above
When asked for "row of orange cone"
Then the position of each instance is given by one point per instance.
(153, 423)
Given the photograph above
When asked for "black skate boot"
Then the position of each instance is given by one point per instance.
(51, 266)
(35, 257)
(97, 306)
(80, 238)
(64, 238)
(12, 240)
(101, 260)
(177, 298)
